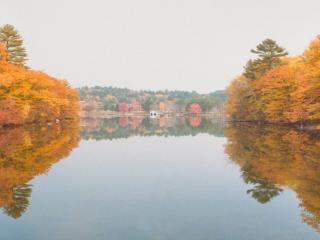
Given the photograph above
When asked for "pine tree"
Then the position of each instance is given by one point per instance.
(269, 54)
(14, 44)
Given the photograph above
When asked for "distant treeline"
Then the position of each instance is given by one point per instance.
(275, 88)
(118, 99)
(28, 96)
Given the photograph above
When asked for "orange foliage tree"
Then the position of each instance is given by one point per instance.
(288, 92)
(135, 105)
(28, 96)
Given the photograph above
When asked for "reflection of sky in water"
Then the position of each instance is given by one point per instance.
(152, 188)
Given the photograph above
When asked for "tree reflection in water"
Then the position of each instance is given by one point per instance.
(272, 158)
(124, 127)
(264, 190)
(20, 201)
(26, 152)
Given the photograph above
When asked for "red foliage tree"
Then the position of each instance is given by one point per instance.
(195, 108)
(123, 107)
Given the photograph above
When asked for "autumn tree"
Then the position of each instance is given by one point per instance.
(244, 96)
(4, 56)
(311, 92)
(28, 96)
(14, 44)
(135, 105)
(123, 107)
(238, 107)
(277, 89)
(195, 108)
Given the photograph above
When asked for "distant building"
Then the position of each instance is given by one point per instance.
(154, 114)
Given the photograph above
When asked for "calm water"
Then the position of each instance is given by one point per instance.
(133, 178)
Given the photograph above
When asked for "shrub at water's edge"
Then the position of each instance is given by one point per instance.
(28, 96)
(277, 89)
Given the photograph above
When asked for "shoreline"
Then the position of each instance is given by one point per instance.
(47, 123)
(312, 126)
(305, 126)
(104, 114)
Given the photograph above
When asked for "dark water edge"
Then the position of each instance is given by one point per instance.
(303, 126)
(40, 123)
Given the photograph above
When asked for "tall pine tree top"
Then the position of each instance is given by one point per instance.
(14, 44)
(269, 56)
(269, 48)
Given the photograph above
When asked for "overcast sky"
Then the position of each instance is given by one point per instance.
(156, 44)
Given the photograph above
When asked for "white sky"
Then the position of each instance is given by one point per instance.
(156, 44)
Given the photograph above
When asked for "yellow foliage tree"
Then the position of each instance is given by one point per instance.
(287, 93)
(28, 96)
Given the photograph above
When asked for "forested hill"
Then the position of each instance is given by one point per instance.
(122, 99)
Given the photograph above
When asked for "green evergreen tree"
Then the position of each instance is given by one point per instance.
(269, 56)
(14, 43)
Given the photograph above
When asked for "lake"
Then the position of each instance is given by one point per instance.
(167, 178)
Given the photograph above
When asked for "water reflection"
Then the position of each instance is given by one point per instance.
(192, 172)
(272, 158)
(124, 127)
(26, 152)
